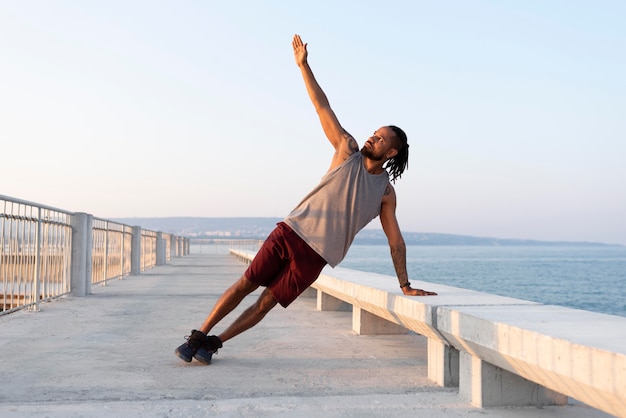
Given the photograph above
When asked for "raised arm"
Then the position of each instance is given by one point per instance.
(396, 243)
(341, 140)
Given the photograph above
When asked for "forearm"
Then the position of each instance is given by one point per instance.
(398, 256)
(316, 94)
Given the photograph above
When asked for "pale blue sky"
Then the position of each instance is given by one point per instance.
(515, 110)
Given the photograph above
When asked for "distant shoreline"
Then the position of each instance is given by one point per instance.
(259, 228)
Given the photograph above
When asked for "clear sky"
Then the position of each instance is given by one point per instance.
(515, 110)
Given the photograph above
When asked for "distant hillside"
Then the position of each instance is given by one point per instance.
(259, 228)
(377, 237)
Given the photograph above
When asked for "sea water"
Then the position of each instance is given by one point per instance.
(592, 278)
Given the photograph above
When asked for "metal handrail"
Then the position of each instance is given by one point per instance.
(36, 252)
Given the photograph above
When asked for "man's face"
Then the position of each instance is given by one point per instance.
(378, 147)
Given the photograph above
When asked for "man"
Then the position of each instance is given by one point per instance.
(321, 228)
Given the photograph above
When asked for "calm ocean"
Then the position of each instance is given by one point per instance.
(592, 278)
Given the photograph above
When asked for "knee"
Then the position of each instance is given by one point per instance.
(266, 302)
(244, 285)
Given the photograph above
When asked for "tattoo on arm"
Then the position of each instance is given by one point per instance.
(352, 145)
(398, 256)
(388, 189)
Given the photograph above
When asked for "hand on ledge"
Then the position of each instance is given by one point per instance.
(409, 291)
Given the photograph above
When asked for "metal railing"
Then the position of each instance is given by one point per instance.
(167, 238)
(111, 251)
(35, 242)
(222, 245)
(148, 249)
(47, 252)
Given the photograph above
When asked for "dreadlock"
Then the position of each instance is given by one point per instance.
(400, 161)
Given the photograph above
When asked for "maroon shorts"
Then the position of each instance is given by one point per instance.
(285, 264)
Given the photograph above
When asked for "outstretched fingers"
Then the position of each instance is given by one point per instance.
(420, 292)
(297, 41)
(299, 49)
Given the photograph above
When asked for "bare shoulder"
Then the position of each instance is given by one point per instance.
(347, 145)
(350, 143)
(344, 149)
(389, 197)
(389, 190)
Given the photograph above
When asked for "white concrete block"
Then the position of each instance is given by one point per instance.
(511, 342)
(576, 353)
(443, 363)
(485, 385)
(326, 302)
(365, 323)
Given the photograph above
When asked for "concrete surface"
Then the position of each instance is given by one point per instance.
(111, 354)
(574, 352)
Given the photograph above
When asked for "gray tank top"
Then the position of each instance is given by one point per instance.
(343, 203)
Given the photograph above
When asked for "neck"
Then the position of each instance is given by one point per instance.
(373, 166)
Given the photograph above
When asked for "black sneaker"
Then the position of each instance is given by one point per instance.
(204, 354)
(189, 349)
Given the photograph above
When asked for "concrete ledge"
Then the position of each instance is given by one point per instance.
(500, 351)
(366, 323)
(244, 255)
(568, 351)
(380, 295)
(483, 385)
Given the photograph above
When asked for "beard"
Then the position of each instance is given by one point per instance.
(367, 153)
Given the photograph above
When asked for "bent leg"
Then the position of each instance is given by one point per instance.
(251, 316)
(228, 301)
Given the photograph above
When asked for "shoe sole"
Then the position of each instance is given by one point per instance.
(205, 359)
(181, 356)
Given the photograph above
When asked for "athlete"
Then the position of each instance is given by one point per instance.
(319, 231)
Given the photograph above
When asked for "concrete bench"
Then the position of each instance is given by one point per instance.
(513, 354)
(500, 351)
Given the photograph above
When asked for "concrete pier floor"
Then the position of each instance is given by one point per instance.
(111, 354)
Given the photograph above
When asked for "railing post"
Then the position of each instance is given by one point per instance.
(37, 279)
(160, 249)
(173, 239)
(82, 243)
(106, 253)
(122, 264)
(135, 251)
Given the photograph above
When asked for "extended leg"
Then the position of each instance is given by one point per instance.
(228, 301)
(251, 316)
(199, 345)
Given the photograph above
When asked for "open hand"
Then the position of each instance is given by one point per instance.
(299, 50)
(409, 291)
